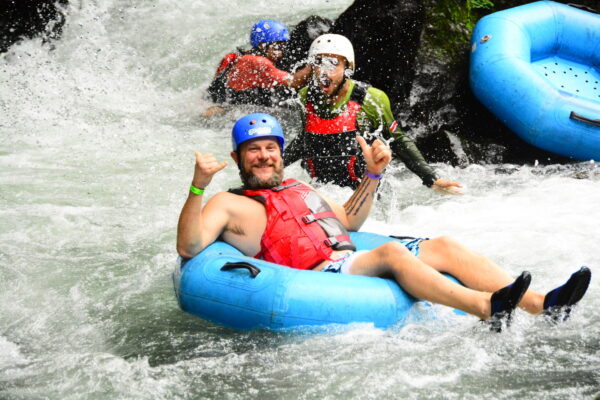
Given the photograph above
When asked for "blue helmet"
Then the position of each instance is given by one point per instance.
(267, 30)
(256, 125)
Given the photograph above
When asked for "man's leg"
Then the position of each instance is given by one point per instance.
(421, 280)
(473, 270)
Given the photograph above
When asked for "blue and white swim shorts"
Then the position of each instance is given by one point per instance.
(342, 265)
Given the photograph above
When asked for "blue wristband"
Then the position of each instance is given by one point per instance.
(373, 176)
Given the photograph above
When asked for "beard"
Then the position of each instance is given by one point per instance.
(252, 182)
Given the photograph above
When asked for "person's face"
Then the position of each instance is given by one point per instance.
(328, 72)
(274, 50)
(260, 163)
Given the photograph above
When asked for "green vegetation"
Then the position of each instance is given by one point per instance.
(450, 24)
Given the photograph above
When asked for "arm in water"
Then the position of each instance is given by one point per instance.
(193, 231)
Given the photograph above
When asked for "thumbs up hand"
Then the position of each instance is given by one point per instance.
(377, 155)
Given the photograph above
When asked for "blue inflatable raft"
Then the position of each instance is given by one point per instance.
(223, 286)
(537, 68)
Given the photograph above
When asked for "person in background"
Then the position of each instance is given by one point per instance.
(251, 77)
(290, 223)
(336, 108)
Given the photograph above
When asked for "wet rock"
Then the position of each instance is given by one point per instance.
(21, 19)
(386, 36)
(417, 51)
(301, 38)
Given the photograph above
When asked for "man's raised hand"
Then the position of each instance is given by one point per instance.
(377, 155)
(206, 167)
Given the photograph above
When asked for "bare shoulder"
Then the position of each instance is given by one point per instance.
(230, 202)
(225, 199)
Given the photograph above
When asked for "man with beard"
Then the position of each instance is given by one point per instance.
(289, 223)
(335, 108)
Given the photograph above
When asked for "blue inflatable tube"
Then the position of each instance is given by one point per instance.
(279, 297)
(537, 68)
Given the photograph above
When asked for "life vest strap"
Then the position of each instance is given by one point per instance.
(333, 240)
(351, 172)
(307, 219)
(283, 187)
(311, 167)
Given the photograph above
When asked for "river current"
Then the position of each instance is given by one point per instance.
(97, 135)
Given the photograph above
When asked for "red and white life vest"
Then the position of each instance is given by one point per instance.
(331, 153)
(302, 230)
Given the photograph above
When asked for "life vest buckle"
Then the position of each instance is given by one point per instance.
(307, 219)
(331, 241)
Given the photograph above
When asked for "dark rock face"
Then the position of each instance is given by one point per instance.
(386, 36)
(300, 40)
(29, 18)
(450, 125)
(417, 51)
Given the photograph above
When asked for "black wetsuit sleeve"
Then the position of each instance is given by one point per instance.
(293, 151)
(410, 155)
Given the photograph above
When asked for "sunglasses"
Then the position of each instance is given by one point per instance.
(325, 62)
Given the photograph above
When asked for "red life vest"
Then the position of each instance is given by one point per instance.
(221, 91)
(301, 230)
(329, 145)
(344, 122)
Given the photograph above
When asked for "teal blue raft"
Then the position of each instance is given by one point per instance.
(537, 68)
(223, 286)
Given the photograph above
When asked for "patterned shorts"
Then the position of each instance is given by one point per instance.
(411, 243)
(342, 265)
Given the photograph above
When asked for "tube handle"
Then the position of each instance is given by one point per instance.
(254, 270)
(579, 117)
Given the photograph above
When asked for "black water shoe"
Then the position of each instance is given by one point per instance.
(558, 302)
(505, 300)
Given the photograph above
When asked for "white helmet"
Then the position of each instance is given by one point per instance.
(331, 43)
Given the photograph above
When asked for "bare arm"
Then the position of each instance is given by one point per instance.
(356, 210)
(200, 226)
(300, 78)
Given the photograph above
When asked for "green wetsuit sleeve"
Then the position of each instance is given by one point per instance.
(378, 111)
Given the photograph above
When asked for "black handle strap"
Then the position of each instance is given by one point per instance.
(578, 117)
(254, 271)
(583, 7)
(402, 237)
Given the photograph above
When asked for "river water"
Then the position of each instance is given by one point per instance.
(96, 154)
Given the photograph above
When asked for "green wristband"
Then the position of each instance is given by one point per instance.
(196, 190)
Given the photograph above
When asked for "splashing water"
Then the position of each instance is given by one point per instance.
(96, 154)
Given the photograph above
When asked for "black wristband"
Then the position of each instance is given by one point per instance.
(429, 180)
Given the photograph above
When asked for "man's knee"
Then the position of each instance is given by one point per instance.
(444, 243)
(392, 251)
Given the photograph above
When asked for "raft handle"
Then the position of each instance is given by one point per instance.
(254, 270)
(583, 7)
(578, 117)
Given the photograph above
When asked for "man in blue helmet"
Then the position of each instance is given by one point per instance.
(290, 223)
(252, 77)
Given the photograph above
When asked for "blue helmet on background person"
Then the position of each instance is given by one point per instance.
(267, 31)
(254, 126)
